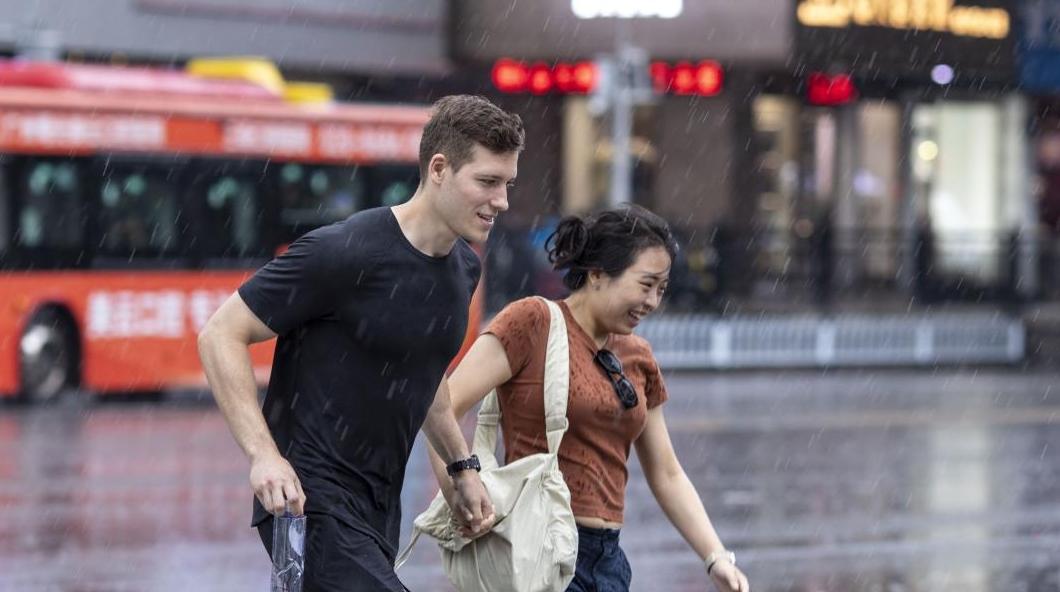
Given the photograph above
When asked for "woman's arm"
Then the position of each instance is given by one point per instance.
(680, 501)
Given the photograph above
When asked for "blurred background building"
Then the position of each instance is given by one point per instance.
(861, 183)
(859, 169)
(842, 142)
(389, 51)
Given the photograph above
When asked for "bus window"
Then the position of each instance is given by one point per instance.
(140, 212)
(395, 184)
(312, 196)
(231, 220)
(51, 214)
(396, 193)
(5, 207)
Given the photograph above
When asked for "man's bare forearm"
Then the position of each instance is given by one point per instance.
(465, 493)
(447, 442)
(230, 373)
(442, 430)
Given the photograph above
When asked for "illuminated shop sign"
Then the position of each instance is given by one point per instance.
(512, 76)
(883, 42)
(589, 9)
(943, 16)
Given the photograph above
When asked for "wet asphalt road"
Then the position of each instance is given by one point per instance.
(890, 481)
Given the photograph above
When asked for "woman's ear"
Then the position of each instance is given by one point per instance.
(595, 279)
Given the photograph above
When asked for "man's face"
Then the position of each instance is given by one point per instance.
(472, 197)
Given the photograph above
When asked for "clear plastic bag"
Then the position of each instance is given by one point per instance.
(288, 552)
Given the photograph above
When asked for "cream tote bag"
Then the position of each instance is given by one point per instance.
(533, 546)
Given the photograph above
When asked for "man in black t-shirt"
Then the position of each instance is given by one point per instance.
(368, 313)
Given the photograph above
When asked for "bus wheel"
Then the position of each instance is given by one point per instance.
(48, 356)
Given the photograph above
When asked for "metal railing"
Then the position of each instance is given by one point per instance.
(694, 341)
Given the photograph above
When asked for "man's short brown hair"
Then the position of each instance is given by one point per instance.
(458, 122)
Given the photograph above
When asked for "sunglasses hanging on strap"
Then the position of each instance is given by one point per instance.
(607, 360)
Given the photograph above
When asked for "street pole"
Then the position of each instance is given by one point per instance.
(621, 130)
(623, 83)
(621, 117)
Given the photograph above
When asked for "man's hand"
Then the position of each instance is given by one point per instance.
(471, 504)
(276, 485)
(728, 578)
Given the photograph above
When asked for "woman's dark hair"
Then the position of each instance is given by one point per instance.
(608, 241)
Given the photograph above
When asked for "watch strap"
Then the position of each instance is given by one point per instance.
(465, 464)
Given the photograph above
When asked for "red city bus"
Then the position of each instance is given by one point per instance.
(134, 201)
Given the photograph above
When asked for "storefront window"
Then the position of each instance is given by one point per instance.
(958, 169)
(588, 156)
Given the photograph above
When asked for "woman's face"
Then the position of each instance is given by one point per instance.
(620, 303)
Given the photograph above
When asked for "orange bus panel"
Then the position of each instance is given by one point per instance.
(137, 330)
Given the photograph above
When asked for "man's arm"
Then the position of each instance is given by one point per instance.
(483, 368)
(467, 495)
(224, 350)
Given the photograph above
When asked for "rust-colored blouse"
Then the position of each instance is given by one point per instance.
(595, 448)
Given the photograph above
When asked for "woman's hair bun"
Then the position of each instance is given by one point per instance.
(567, 244)
(608, 242)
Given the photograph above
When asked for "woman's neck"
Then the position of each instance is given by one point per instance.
(579, 309)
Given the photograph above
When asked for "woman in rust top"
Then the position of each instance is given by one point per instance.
(618, 264)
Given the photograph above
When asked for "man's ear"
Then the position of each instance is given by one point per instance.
(436, 168)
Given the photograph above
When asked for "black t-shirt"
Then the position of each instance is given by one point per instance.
(367, 325)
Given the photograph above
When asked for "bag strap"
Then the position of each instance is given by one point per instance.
(557, 378)
(407, 552)
(556, 385)
(556, 382)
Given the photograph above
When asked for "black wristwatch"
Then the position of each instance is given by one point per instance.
(464, 465)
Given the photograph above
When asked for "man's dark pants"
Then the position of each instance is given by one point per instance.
(339, 558)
